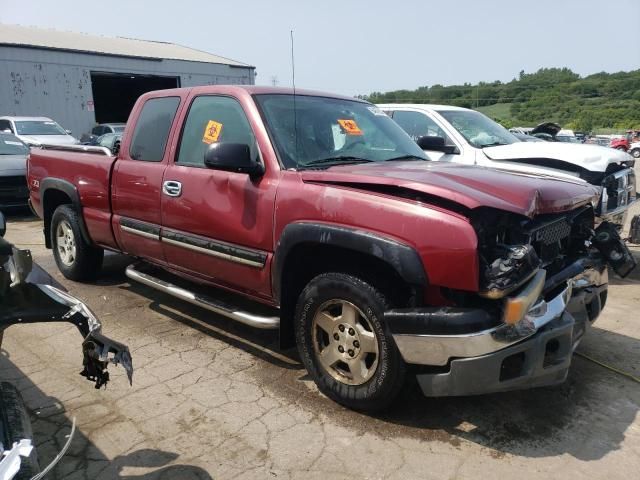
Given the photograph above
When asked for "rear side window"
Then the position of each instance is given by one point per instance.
(5, 125)
(152, 129)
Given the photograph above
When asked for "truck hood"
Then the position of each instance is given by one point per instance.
(549, 128)
(594, 158)
(49, 139)
(467, 186)
(13, 165)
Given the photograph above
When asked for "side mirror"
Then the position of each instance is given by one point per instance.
(3, 225)
(68, 132)
(232, 157)
(435, 144)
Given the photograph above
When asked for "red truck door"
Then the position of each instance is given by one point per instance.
(216, 224)
(137, 179)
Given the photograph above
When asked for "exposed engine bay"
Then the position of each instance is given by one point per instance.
(512, 247)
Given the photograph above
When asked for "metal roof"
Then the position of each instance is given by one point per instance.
(34, 37)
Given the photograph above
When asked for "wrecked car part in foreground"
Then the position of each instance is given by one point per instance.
(28, 294)
(26, 302)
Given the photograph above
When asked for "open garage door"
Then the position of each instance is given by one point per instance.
(115, 93)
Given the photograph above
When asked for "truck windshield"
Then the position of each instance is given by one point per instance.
(39, 127)
(10, 145)
(325, 132)
(479, 130)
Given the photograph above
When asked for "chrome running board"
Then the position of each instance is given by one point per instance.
(256, 321)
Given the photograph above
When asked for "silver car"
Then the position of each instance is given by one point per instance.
(36, 131)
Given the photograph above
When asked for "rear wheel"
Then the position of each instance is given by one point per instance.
(635, 152)
(344, 344)
(76, 259)
(15, 425)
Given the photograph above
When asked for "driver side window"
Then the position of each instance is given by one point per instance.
(213, 119)
(418, 124)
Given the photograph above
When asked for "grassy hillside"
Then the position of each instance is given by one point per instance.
(498, 110)
(602, 100)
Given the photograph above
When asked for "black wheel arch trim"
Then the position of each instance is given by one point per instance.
(71, 191)
(402, 258)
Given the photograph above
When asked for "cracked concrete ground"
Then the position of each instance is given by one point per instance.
(213, 399)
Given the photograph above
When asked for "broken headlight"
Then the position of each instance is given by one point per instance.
(506, 269)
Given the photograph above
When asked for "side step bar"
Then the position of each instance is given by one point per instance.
(256, 321)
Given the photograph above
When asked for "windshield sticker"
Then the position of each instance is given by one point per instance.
(350, 127)
(376, 110)
(49, 123)
(9, 142)
(212, 132)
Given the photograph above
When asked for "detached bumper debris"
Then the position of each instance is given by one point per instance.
(26, 302)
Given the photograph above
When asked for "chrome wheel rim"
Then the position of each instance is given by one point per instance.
(66, 243)
(344, 342)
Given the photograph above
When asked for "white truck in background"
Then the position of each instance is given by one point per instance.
(460, 135)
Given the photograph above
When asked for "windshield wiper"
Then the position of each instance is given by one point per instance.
(340, 160)
(406, 157)
(494, 144)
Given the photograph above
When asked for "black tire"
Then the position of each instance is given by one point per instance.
(635, 153)
(383, 386)
(87, 259)
(15, 425)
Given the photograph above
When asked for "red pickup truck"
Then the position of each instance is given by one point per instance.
(317, 215)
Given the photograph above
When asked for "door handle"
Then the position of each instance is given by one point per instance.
(172, 188)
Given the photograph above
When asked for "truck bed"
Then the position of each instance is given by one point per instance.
(87, 172)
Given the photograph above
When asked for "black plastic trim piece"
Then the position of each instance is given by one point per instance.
(141, 226)
(225, 250)
(439, 320)
(404, 260)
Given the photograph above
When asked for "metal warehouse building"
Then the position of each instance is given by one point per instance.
(80, 80)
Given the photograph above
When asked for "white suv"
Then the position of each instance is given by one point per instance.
(460, 135)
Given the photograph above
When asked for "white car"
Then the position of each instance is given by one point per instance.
(460, 135)
(634, 149)
(35, 131)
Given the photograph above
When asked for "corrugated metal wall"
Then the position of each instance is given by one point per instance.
(57, 84)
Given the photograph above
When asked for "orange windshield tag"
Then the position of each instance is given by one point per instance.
(350, 127)
(212, 132)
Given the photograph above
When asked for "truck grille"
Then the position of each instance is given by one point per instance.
(554, 237)
(618, 191)
(553, 232)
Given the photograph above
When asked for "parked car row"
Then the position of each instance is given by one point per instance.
(322, 217)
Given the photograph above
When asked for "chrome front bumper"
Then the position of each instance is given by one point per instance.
(439, 349)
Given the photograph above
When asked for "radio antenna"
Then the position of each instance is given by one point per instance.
(293, 82)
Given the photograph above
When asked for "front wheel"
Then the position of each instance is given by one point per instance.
(344, 344)
(635, 153)
(76, 259)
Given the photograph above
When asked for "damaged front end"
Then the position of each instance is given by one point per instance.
(543, 281)
(29, 295)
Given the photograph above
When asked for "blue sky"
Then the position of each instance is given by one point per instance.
(356, 47)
